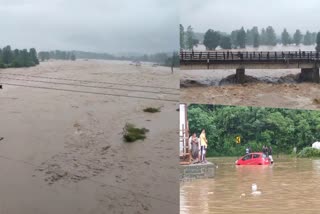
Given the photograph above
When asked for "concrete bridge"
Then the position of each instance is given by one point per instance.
(307, 61)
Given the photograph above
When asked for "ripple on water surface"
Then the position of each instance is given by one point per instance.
(288, 186)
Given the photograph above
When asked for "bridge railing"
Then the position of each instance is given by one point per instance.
(225, 56)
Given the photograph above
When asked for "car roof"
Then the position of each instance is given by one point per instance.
(252, 153)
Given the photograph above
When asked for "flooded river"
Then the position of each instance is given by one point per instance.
(289, 186)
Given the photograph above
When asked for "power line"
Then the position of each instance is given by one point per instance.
(88, 92)
(88, 86)
(90, 81)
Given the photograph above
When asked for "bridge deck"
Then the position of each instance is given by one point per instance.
(235, 57)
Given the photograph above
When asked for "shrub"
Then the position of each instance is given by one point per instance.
(131, 133)
(309, 152)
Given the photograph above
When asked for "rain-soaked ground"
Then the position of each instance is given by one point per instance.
(289, 186)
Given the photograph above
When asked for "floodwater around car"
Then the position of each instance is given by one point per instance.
(290, 185)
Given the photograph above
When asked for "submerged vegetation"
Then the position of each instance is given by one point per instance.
(309, 152)
(283, 129)
(131, 133)
(17, 58)
(151, 110)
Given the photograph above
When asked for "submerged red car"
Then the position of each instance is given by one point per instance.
(256, 158)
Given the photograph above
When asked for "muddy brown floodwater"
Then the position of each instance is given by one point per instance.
(289, 186)
(63, 150)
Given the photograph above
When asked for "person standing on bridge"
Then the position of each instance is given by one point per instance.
(193, 141)
(204, 145)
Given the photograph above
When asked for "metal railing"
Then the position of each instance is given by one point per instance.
(249, 56)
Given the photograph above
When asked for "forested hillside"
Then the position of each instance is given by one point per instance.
(283, 129)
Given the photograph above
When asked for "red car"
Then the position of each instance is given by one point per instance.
(255, 158)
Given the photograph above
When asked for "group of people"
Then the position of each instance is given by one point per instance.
(198, 147)
(267, 150)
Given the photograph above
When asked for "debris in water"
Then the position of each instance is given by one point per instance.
(316, 101)
(151, 110)
(105, 148)
(190, 83)
(254, 189)
(131, 133)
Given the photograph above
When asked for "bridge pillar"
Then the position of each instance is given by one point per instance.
(309, 75)
(240, 76)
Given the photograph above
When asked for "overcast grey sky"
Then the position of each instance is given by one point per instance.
(90, 25)
(228, 15)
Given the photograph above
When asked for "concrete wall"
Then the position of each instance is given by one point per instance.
(310, 75)
(197, 171)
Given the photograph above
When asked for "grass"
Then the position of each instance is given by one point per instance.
(151, 110)
(131, 133)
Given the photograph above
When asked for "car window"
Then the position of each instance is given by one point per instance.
(247, 157)
(264, 155)
(256, 156)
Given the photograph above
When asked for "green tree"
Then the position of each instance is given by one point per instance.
(211, 39)
(241, 38)
(225, 42)
(33, 54)
(256, 40)
(249, 37)
(263, 37)
(256, 36)
(271, 38)
(182, 43)
(281, 128)
(318, 42)
(307, 40)
(234, 38)
(285, 37)
(297, 37)
(314, 38)
(7, 55)
(189, 38)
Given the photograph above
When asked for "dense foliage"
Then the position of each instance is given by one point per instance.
(240, 38)
(309, 152)
(283, 129)
(17, 58)
(211, 39)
